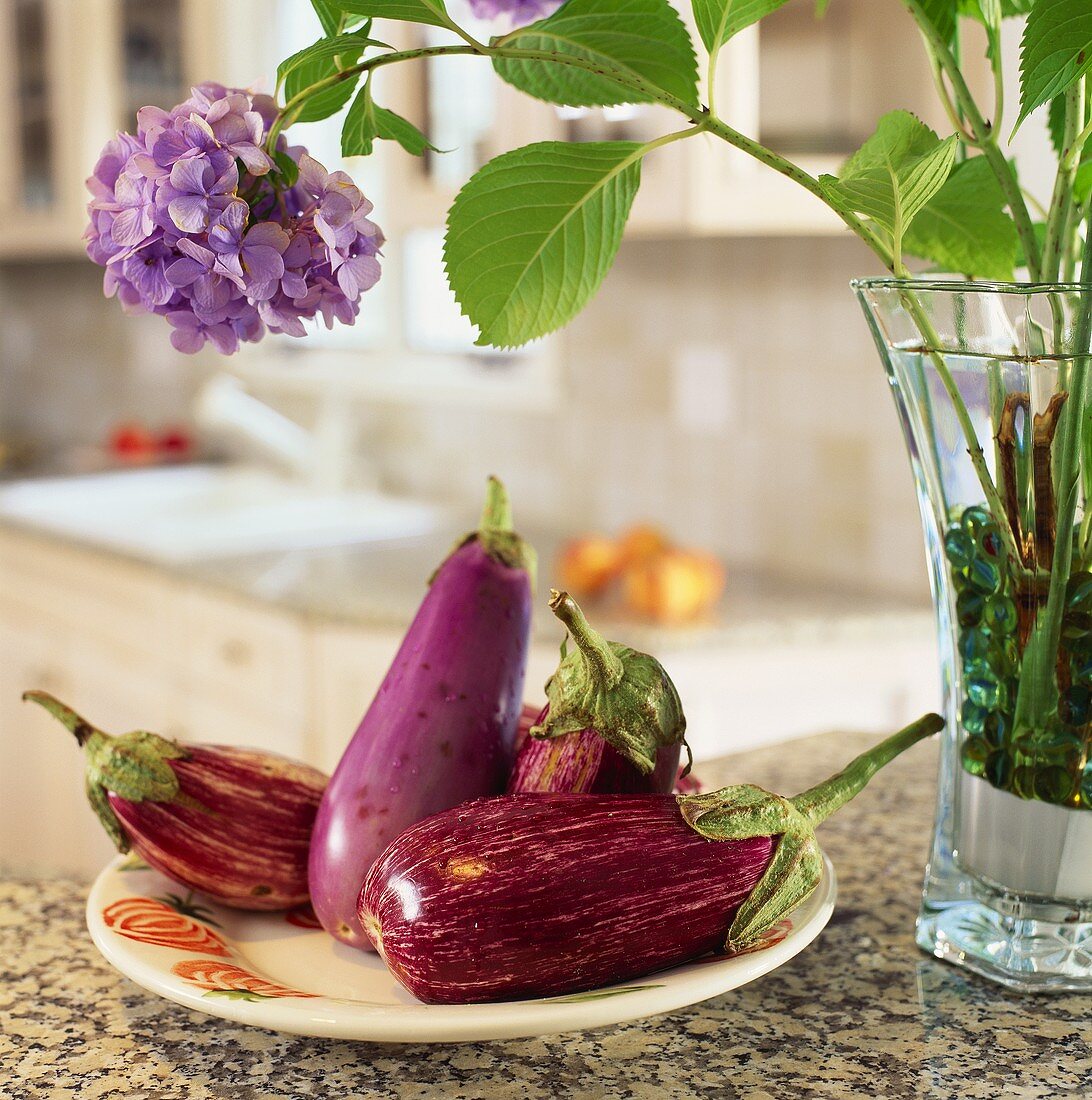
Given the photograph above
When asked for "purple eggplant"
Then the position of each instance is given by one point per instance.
(442, 727)
(540, 895)
(232, 823)
(614, 723)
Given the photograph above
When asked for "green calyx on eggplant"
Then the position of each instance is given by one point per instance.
(743, 812)
(133, 765)
(496, 535)
(624, 695)
(233, 823)
(543, 895)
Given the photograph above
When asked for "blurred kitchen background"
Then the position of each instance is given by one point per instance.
(228, 550)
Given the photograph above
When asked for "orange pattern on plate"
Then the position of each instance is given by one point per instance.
(151, 921)
(224, 976)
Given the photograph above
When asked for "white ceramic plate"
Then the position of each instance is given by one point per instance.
(280, 971)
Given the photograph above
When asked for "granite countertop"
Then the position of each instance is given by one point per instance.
(381, 585)
(859, 1013)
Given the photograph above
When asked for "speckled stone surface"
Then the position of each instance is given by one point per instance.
(860, 1013)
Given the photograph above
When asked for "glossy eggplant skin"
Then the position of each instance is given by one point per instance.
(439, 732)
(243, 839)
(539, 895)
(581, 762)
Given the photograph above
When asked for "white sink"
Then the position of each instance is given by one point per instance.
(189, 513)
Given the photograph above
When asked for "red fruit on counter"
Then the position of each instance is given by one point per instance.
(232, 823)
(132, 442)
(549, 894)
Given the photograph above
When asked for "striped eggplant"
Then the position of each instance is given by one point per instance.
(232, 823)
(442, 727)
(614, 723)
(540, 895)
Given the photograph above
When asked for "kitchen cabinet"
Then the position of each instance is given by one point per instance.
(75, 71)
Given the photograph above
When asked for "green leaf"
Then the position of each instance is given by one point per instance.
(324, 53)
(719, 20)
(329, 15)
(532, 235)
(894, 174)
(288, 168)
(366, 121)
(1055, 53)
(942, 14)
(340, 53)
(1039, 229)
(965, 227)
(643, 39)
(431, 12)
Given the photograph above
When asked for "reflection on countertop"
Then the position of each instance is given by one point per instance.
(860, 1013)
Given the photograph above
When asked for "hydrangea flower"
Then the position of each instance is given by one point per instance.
(517, 12)
(193, 220)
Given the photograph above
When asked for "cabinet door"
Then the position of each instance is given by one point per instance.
(348, 665)
(46, 826)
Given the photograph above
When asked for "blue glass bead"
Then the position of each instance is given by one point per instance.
(973, 645)
(973, 717)
(983, 576)
(999, 769)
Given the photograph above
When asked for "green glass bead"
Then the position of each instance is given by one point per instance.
(983, 576)
(1000, 615)
(995, 729)
(1075, 705)
(974, 754)
(973, 717)
(1078, 592)
(999, 769)
(975, 519)
(984, 691)
(1086, 787)
(958, 547)
(1054, 785)
(1076, 627)
(974, 644)
(1023, 781)
(987, 543)
(970, 607)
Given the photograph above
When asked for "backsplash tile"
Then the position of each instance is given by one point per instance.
(808, 475)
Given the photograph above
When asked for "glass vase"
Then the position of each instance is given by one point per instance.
(993, 386)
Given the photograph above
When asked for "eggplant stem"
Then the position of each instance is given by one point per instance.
(603, 663)
(79, 727)
(497, 513)
(819, 802)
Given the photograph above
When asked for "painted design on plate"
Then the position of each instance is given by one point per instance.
(231, 982)
(303, 916)
(150, 920)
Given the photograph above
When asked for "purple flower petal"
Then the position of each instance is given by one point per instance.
(190, 213)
